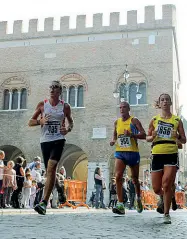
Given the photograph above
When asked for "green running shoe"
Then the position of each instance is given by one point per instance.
(119, 209)
(139, 206)
(167, 219)
(40, 208)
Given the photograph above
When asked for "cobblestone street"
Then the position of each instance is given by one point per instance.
(98, 224)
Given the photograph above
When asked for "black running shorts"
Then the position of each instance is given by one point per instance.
(52, 150)
(161, 160)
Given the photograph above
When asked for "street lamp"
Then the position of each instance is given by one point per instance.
(126, 74)
(138, 95)
(116, 93)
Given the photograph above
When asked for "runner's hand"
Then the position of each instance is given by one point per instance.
(44, 120)
(154, 134)
(174, 134)
(63, 130)
(127, 133)
(112, 143)
(179, 144)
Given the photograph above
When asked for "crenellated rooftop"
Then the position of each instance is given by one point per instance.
(168, 20)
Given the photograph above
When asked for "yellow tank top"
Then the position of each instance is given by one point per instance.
(125, 143)
(164, 129)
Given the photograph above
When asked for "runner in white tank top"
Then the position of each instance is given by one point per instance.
(53, 130)
(50, 131)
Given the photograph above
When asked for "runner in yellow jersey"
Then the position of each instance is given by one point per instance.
(127, 130)
(165, 132)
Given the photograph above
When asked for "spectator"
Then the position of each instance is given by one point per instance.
(179, 187)
(36, 175)
(33, 193)
(61, 189)
(33, 164)
(17, 194)
(9, 183)
(27, 191)
(62, 171)
(2, 156)
(146, 188)
(99, 188)
(35, 172)
(142, 186)
(113, 194)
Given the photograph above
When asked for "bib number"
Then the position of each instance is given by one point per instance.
(53, 128)
(124, 141)
(164, 130)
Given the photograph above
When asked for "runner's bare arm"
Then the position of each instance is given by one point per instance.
(114, 138)
(34, 119)
(181, 136)
(151, 129)
(67, 112)
(141, 134)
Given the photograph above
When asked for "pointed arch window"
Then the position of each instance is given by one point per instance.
(14, 100)
(72, 96)
(6, 99)
(142, 89)
(64, 94)
(132, 94)
(123, 91)
(80, 96)
(23, 99)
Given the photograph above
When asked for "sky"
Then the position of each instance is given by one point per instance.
(24, 10)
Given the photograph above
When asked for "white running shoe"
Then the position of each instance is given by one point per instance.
(167, 219)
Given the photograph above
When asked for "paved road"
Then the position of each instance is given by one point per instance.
(84, 224)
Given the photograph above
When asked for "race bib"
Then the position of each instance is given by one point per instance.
(124, 141)
(53, 128)
(164, 130)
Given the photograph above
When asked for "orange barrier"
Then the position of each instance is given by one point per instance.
(180, 199)
(149, 200)
(76, 193)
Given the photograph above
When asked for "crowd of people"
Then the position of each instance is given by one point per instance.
(22, 187)
(128, 187)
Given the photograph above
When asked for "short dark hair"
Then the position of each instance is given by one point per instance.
(20, 160)
(125, 103)
(57, 83)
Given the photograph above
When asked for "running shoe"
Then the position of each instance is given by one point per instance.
(119, 209)
(167, 219)
(160, 208)
(40, 208)
(174, 204)
(139, 206)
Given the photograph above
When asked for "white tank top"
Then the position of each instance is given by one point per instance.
(51, 130)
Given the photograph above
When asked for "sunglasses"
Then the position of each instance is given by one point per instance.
(54, 87)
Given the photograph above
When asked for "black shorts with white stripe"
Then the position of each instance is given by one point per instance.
(161, 160)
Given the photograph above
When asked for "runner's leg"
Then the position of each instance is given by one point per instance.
(167, 182)
(52, 152)
(51, 176)
(119, 170)
(135, 178)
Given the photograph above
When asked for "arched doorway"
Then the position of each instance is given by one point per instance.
(75, 162)
(11, 152)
